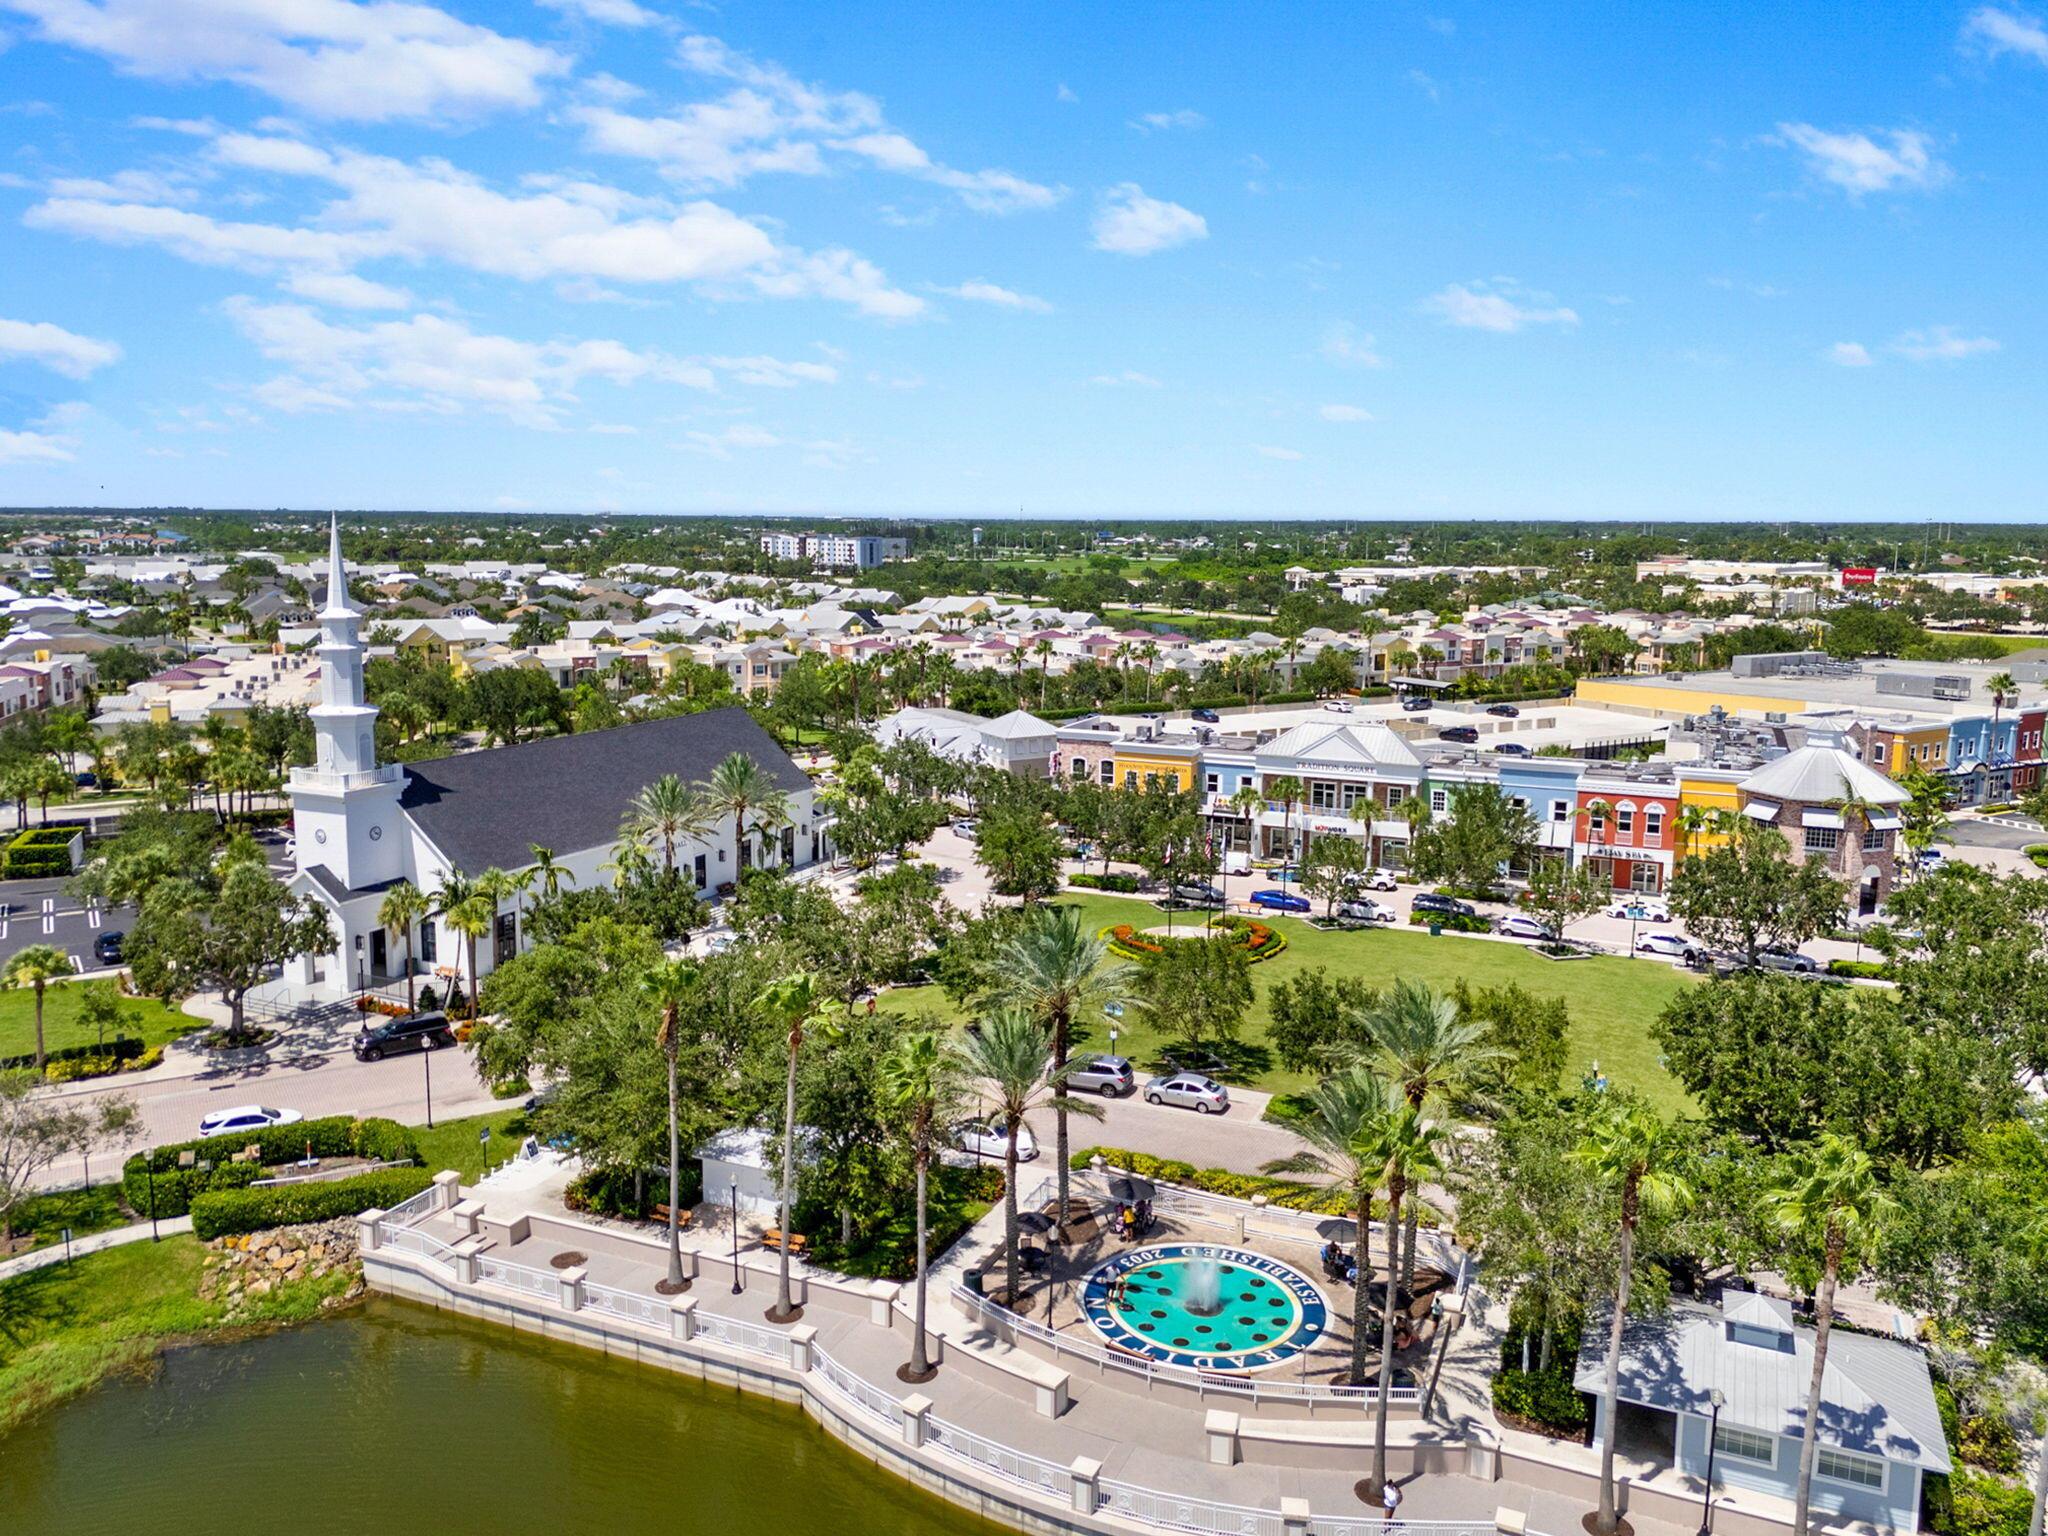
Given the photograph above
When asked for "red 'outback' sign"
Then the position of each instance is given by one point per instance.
(1859, 576)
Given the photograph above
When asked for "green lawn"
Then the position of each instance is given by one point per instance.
(65, 1328)
(454, 1143)
(1612, 1000)
(43, 1218)
(143, 1015)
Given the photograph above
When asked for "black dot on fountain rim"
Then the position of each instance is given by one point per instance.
(1180, 1343)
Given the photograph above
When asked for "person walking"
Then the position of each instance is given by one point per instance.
(1390, 1498)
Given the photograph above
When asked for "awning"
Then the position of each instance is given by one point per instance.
(1885, 823)
(1397, 829)
(1811, 818)
(1554, 834)
(1761, 810)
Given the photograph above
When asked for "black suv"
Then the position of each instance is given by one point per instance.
(413, 1032)
(1432, 901)
(106, 949)
(1207, 716)
(1465, 733)
(1505, 711)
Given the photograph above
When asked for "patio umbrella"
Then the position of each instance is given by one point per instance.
(1127, 1189)
(1037, 1223)
(1338, 1229)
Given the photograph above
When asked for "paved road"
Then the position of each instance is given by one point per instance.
(1996, 832)
(44, 912)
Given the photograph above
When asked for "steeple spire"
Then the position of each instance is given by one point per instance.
(338, 604)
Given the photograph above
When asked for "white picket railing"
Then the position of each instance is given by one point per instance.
(1021, 1467)
(402, 1214)
(518, 1277)
(630, 1305)
(748, 1338)
(412, 1240)
(863, 1394)
(1178, 1513)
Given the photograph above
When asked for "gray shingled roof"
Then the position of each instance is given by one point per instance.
(1876, 1396)
(568, 793)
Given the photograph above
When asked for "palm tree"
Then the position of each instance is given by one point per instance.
(37, 966)
(1008, 1054)
(1633, 1153)
(791, 1002)
(1407, 1149)
(498, 886)
(670, 984)
(1855, 809)
(922, 1080)
(1423, 1046)
(2001, 687)
(1826, 1197)
(467, 912)
(1341, 1112)
(740, 785)
(1248, 802)
(1057, 969)
(666, 811)
(629, 861)
(1694, 823)
(1286, 789)
(549, 875)
(404, 905)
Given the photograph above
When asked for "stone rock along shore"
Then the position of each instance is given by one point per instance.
(241, 1268)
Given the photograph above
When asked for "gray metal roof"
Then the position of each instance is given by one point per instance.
(1876, 1396)
(567, 793)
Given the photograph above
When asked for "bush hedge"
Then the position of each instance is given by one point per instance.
(1864, 970)
(1292, 1193)
(1456, 922)
(1546, 1399)
(121, 1048)
(382, 1141)
(102, 1064)
(1121, 883)
(2038, 852)
(1258, 941)
(218, 1213)
(1967, 1503)
(38, 851)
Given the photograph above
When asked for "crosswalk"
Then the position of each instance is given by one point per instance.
(35, 921)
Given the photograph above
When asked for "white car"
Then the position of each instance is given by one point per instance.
(1339, 707)
(1189, 1090)
(1360, 911)
(244, 1118)
(980, 1138)
(1671, 946)
(1378, 880)
(1644, 909)
(1520, 925)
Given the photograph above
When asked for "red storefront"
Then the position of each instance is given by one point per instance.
(2026, 756)
(1634, 839)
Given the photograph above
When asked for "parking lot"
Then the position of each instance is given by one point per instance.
(45, 912)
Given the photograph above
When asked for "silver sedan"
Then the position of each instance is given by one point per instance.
(1189, 1090)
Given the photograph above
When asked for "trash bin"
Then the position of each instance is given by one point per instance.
(1436, 930)
(972, 1280)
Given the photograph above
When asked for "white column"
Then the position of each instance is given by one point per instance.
(1086, 1472)
(802, 1339)
(572, 1288)
(1221, 1429)
(447, 1190)
(367, 1235)
(882, 1303)
(917, 1413)
(682, 1319)
(1294, 1517)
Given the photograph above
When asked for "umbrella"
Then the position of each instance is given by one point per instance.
(1034, 1222)
(1338, 1229)
(1127, 1189)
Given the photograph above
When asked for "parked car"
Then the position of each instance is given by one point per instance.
(980, 1138)
(1207, 716)
(1280, 901)
(1520, 925)
(107, 947)
(1110, 1076)
(1513, 749)
(1787, 960)
(1378, 880)
(86, 780)
(1505, 711)
(1189, 1090)
(1465, 733)
(1414, 703)
(426, 1031)
(1671, 946)
(1450, 906)
(1197, 893)
(1641, 909)
(244, 1118)
(1932, 858)
(966, 826)
(1361, 910)
(1339, 706)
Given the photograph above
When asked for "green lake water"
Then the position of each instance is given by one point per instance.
(399, 1421)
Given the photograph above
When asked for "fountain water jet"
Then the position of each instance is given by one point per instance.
(1205, 1283)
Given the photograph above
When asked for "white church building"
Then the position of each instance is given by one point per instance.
(362, 827)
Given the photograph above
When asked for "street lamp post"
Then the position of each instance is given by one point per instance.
(427, 1064)
(1707, 1493)
(736, 1236)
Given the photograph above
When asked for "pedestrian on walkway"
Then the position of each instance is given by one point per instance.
(1390, 1497)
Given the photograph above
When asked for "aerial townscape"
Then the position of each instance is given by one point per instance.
(897, 777)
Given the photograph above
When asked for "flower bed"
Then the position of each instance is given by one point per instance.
(1257, 940)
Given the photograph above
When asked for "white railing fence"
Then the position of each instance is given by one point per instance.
(631, 1305)
(861, 1393)
(418, 1205)
(518, 1277)
(1021, 1467)
(1177, 1513)
(412, 1240)
(748, 1338)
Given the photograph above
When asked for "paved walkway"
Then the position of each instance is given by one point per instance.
(43, 1258)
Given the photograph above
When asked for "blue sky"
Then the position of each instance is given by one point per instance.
(1388, 260)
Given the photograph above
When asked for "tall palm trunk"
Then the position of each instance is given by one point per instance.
(411, 1003)
(469, 946)
(2040, 1487)
(1610, 1389)
(40, 1052)
(1062, 1030)
(919, 1365)
(1396, 1187)
(1010, 1211)
(1361, 1311)
(796, 1039)
(1823, 1325)
(675, 1170)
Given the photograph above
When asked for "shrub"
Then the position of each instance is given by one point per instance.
(2038, 852)
(1257, 940)
(121, 1048)
(174, 1189)
(383, 1141)
(1865, 970)
(103, 1063)
(1456, 922)
(1546, 1399)
(39, 851)
(610, 1192)
(217, 1213)
(1291, 1193)
(1126, 884)
(1967, 1503)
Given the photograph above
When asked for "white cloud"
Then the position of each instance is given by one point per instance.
(1345, 413)
(1346, 346)
(1065, 94)
(1991, 32)
(32, 448)
(1130, 376)
(1848, 354)
(1496, 306)
(774, 372)
(1132, 224)
(1162, 122)
(1941, 344)
(344, 290)
(1425, 84)
(328, 58)
(62, 351)
(719, 445)
(1858, 163)
(610, 13)
(428, 210)
(1269, 451)
(769, 121)
(978, 290)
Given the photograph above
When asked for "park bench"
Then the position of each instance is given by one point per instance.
(660, 1213)
(772, 1238)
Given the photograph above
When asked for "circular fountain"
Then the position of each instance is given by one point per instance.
(1204, 1306)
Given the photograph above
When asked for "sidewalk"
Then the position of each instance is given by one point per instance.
(43, 1258)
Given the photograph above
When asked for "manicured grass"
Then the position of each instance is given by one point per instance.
(65, 1328)
(143, 1016)
(2011, 645)
(454, 1143)
(43, 1218)
(1612, 1000)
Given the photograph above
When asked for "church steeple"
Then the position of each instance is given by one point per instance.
(339, 605)
(344, 724)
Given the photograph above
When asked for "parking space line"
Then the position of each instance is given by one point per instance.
(49, 914)
(92, 913)
(78, 962)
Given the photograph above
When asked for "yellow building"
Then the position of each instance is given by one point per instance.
(1663, 700)
(1709, 790)
(1139, 763)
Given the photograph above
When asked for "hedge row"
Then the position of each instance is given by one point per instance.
(382, 1141)
(1291, 1193)
(1866, 970)
(38, 851)
(1124, 884)
(1544, 1398)
(102, 1064)
(219, 1213)
(121, 1048)
(1456, 922)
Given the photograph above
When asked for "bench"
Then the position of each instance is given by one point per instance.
(772, 1238)
(660, 1213)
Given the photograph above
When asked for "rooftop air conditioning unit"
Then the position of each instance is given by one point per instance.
(1775, 717)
